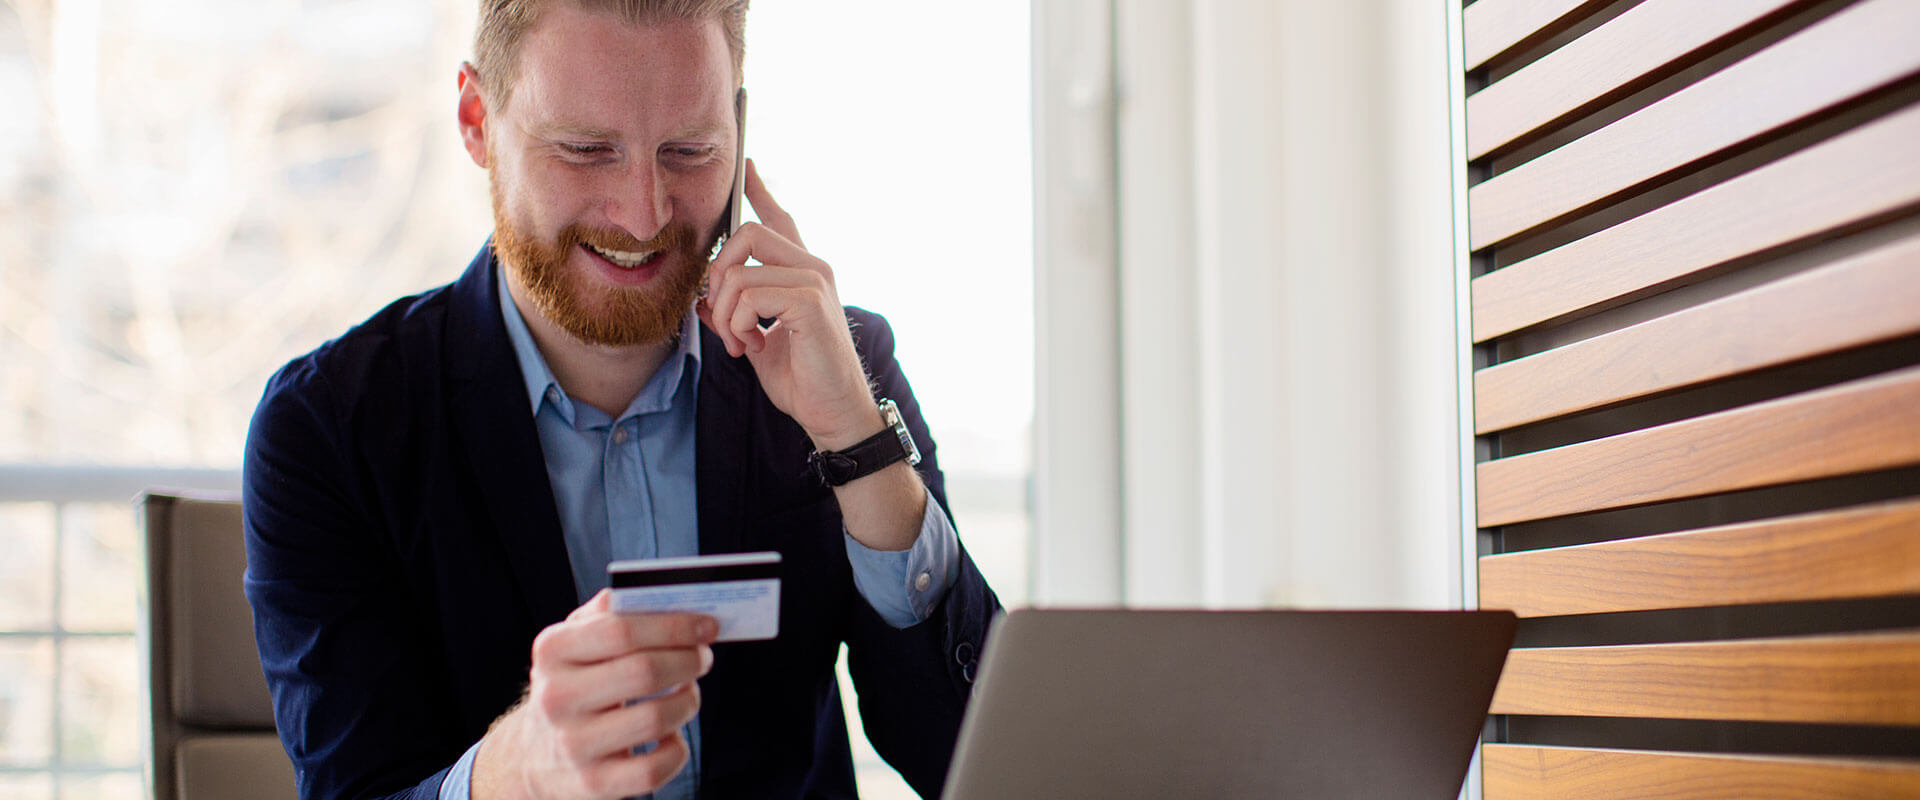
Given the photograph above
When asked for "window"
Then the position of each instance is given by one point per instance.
(191, 193)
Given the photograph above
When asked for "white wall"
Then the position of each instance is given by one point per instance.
(1263, 345)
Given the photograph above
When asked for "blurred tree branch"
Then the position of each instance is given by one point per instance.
(237, 182)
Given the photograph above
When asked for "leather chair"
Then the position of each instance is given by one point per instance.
(213, 736)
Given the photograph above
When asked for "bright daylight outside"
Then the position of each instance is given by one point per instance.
(193, 192)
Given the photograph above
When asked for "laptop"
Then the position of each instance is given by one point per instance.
(1228, 704)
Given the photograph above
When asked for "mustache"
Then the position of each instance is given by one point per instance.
(670, 238)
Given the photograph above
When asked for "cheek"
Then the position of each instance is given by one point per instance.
(553, 197)
(702, 197)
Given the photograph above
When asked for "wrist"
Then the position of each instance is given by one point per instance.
(855, 428)
(485, 782)
(492, 777)
(885, 511)
(892, 444)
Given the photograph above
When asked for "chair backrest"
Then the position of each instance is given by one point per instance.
(212, 718)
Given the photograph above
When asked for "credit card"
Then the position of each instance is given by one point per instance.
(740, 590)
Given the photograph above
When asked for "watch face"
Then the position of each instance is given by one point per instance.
(891, 413)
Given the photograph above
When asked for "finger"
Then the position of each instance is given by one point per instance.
(627, 774)
(704, 310)
(767, 245)
(730, 265)
(716, 323)
(599, 635)
(599, 602)
(609, 683)
(781, 303)
(727, 304)
(744, 326)
(620, 728)
(766, 209)
(709, 312)
(755, 240)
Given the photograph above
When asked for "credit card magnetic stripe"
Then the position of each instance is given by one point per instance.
(714, 574)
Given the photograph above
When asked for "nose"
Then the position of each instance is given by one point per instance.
(639, 202)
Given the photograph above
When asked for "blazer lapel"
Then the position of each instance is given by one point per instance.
(494, 428)
(721, 441)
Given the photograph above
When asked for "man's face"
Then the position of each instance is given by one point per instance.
(610, 171)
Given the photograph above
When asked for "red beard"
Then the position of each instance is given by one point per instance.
(605, 315)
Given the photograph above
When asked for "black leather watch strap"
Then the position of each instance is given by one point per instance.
(874, 453)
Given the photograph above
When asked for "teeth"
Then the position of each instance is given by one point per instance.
(623, 258)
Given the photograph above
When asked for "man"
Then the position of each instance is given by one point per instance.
(432, 499)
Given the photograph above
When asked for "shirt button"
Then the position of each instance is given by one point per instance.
(921, 583)
(620, 435)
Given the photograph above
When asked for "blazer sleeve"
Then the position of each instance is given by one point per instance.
(913, 684)
(341, 642)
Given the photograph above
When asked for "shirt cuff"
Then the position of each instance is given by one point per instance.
(904, 586)
(458, 785)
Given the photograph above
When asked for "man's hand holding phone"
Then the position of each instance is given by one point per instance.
(574, 734)
(805, 360)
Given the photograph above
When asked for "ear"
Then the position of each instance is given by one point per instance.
(472, 114)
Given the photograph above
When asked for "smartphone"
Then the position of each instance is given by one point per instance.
(737, 203)
(737, 206)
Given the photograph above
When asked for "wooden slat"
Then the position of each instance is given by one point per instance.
(1856, 679)
(1862, 48)
(1647, 43)
(1871, 297)
(1492, 27)
(1866, 551)
(1525, 772)
(1858, 426)
(1865, 173)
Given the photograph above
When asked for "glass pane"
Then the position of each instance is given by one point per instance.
(99, 581)
(26, 573)
(102, 787)
(26, 787)
(100, 704)
(26, 702)
(996, 537)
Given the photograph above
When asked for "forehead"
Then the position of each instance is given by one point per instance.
(585, 69)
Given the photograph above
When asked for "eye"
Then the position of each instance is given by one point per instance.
(687, 155)
(585, 149)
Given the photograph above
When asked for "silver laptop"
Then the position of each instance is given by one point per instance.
(1228, 704)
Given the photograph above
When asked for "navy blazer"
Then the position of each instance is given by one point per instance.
(403, 550)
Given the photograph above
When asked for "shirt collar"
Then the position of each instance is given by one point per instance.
(682, 367)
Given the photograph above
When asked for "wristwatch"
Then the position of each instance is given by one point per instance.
(891, 444)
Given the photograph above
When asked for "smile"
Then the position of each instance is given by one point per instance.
(624, 259)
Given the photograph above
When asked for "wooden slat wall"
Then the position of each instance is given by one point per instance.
(1819, 192)
(1851, 303)
(1862, 679)
(1865, 551)
(1694, 234)
(1569, 773)
(1866, 47)
(1647, 43)
(1859, 426)
(1497, 26)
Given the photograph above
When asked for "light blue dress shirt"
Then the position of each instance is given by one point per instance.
(624, 489)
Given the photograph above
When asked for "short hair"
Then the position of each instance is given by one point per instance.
(504, 24)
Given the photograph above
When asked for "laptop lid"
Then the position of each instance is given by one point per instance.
(1223, 704)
